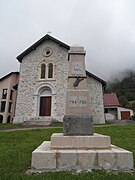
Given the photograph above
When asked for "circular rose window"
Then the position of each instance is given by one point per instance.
(47, 52)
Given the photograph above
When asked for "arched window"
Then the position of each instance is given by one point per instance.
(43, 68)
(46, 71)
(50, 70)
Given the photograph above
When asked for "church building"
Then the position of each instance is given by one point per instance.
(43, 83)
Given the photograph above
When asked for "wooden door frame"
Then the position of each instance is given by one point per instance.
(40, 105)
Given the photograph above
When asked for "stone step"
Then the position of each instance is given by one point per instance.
(46, 159)
(46, 121)
(96, 141)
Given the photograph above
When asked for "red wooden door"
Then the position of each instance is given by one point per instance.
(125, 115)
(45, 106)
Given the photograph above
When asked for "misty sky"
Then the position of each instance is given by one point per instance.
(106, 29)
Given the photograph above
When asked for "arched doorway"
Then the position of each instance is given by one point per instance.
(45, 101)
(44, 90)
(1, 118)
(8, 119)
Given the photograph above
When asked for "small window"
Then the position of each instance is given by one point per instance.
(4, 94)
(1, 118)
(11, 95)
(50, 70)
(8, 119)
(3, 105)
(106, 110)
(47, 52)
(43, 68)
(9, 107)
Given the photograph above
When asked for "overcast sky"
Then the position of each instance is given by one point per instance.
(106, 29)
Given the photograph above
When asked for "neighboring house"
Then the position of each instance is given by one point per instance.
(43, 84)
(113, 109)
(8, 91)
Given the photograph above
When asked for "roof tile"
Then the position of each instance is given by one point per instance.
(111, 99)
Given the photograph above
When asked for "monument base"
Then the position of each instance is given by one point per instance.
(77, 125)
(95, 141)
(49, 158)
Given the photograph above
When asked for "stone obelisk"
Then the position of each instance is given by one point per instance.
(78, 119)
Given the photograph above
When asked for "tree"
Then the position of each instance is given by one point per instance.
(123, 84)
(123, 100)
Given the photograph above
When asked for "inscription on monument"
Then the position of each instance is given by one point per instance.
(77, 69)
(80, 101)
(73, 101)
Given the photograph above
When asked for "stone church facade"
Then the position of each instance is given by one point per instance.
(43, 83)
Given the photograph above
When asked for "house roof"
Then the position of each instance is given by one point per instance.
(111, 99)
(7, 75)
(40, 41)
(97, 78)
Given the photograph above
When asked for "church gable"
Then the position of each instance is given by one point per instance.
(43, 70)
(39, 42)
(48, 61)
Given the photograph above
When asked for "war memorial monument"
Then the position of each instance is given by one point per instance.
(78, 147)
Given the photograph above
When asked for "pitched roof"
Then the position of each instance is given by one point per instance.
(111, 99)
(9, 74)
(46, 37)
(97, 78)
(40, 41)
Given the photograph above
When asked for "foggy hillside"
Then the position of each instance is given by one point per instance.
(124, 85)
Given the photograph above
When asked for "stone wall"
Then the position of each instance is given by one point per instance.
(29, 82)
(96, 100)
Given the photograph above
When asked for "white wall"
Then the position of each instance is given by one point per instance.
(120, 109)
(109, 116)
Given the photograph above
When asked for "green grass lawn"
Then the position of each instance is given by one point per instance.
(15, 126)
(53, 124)
(10, 126)
(16, 148)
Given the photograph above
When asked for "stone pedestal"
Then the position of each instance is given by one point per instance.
(96, 141)
(77, 125)
(65, 153)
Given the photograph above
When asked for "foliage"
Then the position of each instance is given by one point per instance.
(123, 84)
(123, 100)
(16, 148)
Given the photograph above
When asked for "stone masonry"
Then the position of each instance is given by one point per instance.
(30, 83)
(80, 153)
(96, 100)
(27, 106)
(78, 119)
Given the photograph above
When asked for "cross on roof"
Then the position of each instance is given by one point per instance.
(49, 32)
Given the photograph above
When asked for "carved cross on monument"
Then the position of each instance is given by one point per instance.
(78, 119)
